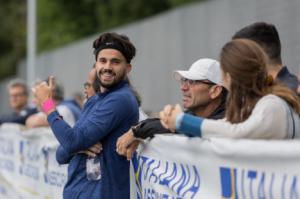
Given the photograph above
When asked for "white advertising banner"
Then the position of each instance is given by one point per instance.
(173, 167)
(28, 168)
(166, 167)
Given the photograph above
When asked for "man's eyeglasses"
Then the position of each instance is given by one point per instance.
(17, 95)
(189, 82)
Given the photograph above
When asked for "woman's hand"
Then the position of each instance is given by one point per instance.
(168, 116)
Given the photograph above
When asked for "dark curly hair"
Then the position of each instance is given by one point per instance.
(122, 41)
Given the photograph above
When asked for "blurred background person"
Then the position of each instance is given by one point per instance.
(18, 101)
(90, 87)
(78, 98)
(142, 114)
(267, 36)
(67, 110)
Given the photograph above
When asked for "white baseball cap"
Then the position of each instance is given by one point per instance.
(202, 69)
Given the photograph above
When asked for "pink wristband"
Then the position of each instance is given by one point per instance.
(48, 105)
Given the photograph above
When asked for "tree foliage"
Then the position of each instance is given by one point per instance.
(60, 22)
(12, 35)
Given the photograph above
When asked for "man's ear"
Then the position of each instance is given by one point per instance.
(215, 91)
(128, 68)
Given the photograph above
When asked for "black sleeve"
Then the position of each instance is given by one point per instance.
(13, 119)
(148, 128)
(20, 119)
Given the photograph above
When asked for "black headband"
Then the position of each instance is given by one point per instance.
(115, 46)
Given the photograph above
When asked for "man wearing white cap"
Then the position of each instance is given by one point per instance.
(201, 89)
(202, 95)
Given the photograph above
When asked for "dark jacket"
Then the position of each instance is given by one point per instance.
(288, 79)
(20, 117)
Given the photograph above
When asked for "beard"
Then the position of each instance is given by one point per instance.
(116, 78)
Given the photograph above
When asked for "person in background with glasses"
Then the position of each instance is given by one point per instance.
(18, 100)
(89, 88)
(202, 95)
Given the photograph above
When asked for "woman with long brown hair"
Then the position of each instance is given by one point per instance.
(257, 107)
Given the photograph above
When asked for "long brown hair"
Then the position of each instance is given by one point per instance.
(245, 62)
